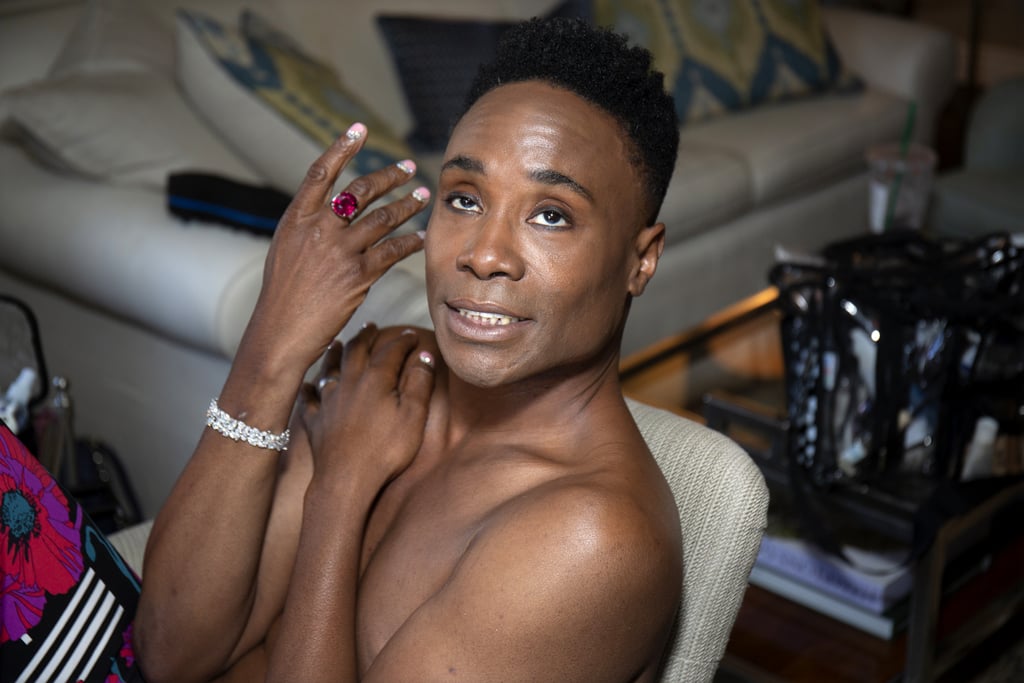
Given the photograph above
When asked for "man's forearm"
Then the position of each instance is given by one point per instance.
(201, 565)
(317, 641)
(203, 557)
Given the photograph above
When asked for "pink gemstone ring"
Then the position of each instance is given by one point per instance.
(344, 205)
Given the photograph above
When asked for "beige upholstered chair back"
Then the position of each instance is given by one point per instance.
(723, 505)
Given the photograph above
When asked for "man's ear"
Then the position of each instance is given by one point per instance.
(648, 245)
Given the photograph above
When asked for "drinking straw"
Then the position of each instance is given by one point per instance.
(897, 180)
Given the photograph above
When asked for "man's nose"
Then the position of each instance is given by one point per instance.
(491, 250)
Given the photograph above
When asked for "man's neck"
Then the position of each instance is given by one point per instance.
(554, 405)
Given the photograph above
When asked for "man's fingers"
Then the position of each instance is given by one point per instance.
(309, 406)
(378, 223)
(359, 194)
(390, 353)
(331, 363)
(357, 353)
(369, 188)
(317, 187)
(417, 384)
(307, 397)
(407, 370)
(387, 253)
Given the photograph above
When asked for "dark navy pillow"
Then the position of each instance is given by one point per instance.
(436, 60)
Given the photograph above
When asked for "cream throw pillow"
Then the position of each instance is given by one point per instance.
(117, 35)
(129, 127)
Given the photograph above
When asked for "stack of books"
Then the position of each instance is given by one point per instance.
(869, 591)
(869, 586)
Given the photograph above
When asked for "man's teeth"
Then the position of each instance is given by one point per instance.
(488, 318)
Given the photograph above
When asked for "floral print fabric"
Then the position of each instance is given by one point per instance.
(66, 599)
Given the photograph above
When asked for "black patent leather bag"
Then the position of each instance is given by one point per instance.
(893, 347)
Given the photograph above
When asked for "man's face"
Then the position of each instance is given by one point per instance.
(537, 238)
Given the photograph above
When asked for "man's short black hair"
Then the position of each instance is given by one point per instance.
(600, 66)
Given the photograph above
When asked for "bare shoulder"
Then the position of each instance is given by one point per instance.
(613, 499)
(576, 579)
(620, 518)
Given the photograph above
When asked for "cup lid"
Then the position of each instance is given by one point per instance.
(919, 157)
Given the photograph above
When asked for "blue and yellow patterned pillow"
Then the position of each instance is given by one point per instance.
(309, 94)
(302, 90)
(725, 55)
(799, 57)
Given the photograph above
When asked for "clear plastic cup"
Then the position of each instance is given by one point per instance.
(903, 181)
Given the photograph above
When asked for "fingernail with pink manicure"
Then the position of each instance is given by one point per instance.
(355, 131)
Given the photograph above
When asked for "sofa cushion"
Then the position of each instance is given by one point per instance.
(129, 127)
(709, 187)
(796, 146)
(117, 248)
(279, 107)
(974, 202)
(911, 59)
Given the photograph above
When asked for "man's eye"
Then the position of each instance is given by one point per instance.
(549, 218)
(462, 202)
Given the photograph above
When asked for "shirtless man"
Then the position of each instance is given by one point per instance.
(482, 508)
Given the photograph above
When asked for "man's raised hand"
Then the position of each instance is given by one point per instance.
(322, 262)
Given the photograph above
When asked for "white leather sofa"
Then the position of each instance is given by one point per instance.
(142, 311)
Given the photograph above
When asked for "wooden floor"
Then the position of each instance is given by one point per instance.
(777, 640)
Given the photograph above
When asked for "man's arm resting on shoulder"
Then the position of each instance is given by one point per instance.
(364, 430)
(206, 556)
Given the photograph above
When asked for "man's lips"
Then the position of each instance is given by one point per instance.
(484, 318)
(484, 314)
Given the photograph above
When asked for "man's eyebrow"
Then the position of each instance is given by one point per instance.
(551, 177)
(546, 176)
(465, 163)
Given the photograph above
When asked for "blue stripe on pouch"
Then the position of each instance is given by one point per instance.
(234, 215)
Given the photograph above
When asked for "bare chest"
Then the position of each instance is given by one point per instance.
(415, 538)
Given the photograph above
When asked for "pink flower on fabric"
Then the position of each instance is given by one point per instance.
(127, 652)
(22, 608)
(40, 545)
